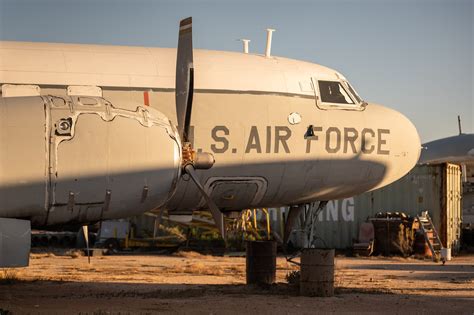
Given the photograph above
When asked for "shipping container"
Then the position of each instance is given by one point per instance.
(433, 188)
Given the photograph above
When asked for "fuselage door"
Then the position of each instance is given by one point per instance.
(231, 193)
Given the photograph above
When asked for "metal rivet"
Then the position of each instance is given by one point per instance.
(64, 125)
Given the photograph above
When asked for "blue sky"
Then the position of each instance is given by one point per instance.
(414, 56)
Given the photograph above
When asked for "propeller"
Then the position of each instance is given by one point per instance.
(191, 160)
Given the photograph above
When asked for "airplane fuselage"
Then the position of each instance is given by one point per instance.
(276, 138)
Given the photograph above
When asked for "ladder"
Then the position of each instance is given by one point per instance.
(433, 241)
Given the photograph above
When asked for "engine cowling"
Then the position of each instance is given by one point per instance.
(81, 159)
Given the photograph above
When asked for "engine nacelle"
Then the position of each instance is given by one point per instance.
(80, 159)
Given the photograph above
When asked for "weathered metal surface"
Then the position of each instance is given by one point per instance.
(346, 155)
(23, 157)
(68, 160)
(317, 272)
(12, 90)
(393, 235)
(15, 242)
(436, 188)
(451, 217)
(468, 205)
(261, 262)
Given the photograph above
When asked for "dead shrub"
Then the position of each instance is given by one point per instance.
(293, 278)
(75, 253)
(198, 269)
(190, 254)
(9, 275)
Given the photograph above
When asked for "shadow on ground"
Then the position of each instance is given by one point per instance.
(458, 273)
(50, 296)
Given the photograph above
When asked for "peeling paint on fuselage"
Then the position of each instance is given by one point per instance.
(140, 149)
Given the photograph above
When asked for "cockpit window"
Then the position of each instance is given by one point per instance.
(333, 92)
(354, 93)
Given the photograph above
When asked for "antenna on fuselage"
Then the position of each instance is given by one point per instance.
(268, 50)
(459, 124)
(245, 45)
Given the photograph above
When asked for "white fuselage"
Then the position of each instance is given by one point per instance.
(250, 111)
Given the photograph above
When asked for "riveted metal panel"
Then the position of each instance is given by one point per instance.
(16, 90)
(23, 166)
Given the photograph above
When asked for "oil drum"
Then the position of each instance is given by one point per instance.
(317, 272)
(261, 262)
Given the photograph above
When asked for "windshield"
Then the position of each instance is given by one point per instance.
(354, 93)
(334, 92)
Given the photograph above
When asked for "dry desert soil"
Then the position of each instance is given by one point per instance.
(191, 283)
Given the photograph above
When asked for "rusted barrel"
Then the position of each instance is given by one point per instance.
(317, 272)
(261, 262)
(420, 245)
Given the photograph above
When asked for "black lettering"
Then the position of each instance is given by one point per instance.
(254, 141)
(382, 141)
(282, 138)
(366, 141)
(223, 140)
(309, 139)
(268, 148)
(350, 139)
(335, 149)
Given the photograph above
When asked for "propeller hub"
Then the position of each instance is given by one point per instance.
(199, 160)
(204, 160)
(187, 154)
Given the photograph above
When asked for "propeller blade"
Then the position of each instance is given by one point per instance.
(85, 231)
(184, 77)
(216, 213)
(184, 102)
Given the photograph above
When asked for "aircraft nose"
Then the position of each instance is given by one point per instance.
(404, 145)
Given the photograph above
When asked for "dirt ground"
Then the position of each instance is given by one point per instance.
(188, 282)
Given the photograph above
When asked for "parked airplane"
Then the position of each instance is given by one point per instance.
(456, 149)
(99, 132)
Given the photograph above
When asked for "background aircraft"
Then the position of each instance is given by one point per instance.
(456, 149)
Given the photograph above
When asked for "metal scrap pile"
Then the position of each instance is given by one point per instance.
(394, 233)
